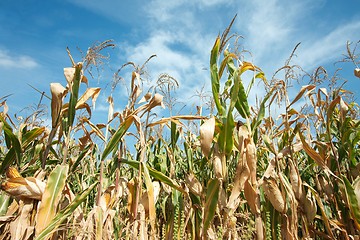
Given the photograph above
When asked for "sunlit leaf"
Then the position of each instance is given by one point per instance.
(157, 175)
(353, 201)
(115, 139)
(51, 196)
(301, 93)
(65, 213)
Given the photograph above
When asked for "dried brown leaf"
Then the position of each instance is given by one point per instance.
(176, 119)
(69, 75)
(217, 165)
(57, 94)
(89, 93)
(241, 176)
(193, 184)
(156, 100)
(301, 93)
(19, 227)
(310, 207)
(295, 180)
(251, 197)
(251, 160)
(145, 98)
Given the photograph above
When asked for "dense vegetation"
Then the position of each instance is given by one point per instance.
(238, 172)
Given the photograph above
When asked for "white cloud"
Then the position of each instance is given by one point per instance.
(181, 34)
(21, 61)
(329, 47)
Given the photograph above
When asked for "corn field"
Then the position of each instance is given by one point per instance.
(236, 172)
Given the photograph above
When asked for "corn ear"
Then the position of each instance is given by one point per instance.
(273, 194)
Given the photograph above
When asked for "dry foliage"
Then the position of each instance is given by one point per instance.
(292, 176)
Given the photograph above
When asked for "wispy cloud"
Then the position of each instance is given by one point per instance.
(181, 34)
(328, 47)
(8, 60)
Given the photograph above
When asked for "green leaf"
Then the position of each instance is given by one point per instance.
(242, 104)
(29, 136)
(51, 196)
(215, 79)
(226, 140)
(65, 213)
(323, 212)
(354, 205)
(261, 113)
(115, 139)
(212, 196)
(150, 193)
(157, 175)
(81, 156)
(4, 203)
(15, 143)
(8, 160)
(74, 95)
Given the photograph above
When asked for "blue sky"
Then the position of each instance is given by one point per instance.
(34, 36)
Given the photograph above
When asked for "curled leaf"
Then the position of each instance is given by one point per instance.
(241, 176)
(157, 100)
(57, 94)
(301, 93)
(251, 160)
(295, 180)
(193, 184)
(251, 197)
(89, 93)
(310, 206)
(69, 75)
(217, 167)
(207, 130)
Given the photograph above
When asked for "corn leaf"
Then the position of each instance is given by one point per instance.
(115, 139)
(29, 136)
(323, 212)
(312, 153)
(74, 94)
(301, 93)
(212, 196)
(51, 197)
(354, 205)
(215, 79)
(150, 193)
(8, 160)
(65, 213)
(207, 130)
(4, 203)
(157, 175)
(261, 113)
(15, 143)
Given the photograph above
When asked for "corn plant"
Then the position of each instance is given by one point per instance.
(239, 172)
